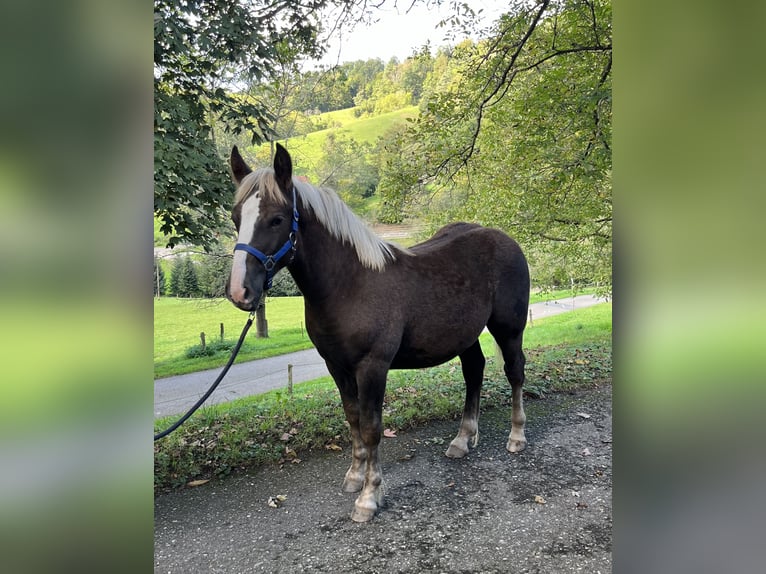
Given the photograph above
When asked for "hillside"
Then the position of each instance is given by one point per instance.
(306, 150)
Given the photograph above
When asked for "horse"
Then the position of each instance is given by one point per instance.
(372, 306)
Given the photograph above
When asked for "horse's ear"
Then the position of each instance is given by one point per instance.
(283, 168)
(239, 168)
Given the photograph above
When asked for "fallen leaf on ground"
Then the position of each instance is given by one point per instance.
(539, 499)
(333, 446)
(285, 437)
(388, 433)
(276, 501)
(586, 451)
(198, 482)
(583, 415)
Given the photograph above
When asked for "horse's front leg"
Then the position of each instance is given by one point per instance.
(354, 479)
(371, 378)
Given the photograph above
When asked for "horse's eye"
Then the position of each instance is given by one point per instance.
(277, 221)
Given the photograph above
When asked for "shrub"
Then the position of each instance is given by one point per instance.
(210, 349)
(283, 285)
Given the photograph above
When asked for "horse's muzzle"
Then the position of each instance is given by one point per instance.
(243, 297)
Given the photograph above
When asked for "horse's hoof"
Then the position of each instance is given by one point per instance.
(363, 514)
(456, 450)
(515, 446)
(352, 485)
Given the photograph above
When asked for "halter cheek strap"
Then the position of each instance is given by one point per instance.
(270, 261)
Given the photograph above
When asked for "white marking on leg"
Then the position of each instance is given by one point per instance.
(250, 212)
(368, 502)
(517, 441)
(468, 433)
(354, 479)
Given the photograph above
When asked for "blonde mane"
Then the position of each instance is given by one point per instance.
(330, 211)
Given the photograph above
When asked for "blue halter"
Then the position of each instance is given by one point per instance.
(270, 261)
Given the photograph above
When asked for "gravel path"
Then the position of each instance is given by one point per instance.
(545, 510)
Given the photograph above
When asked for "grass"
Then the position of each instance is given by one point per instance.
(179, 322)
(567, 352)
(364, 129)
(306, 150)
(570, 328)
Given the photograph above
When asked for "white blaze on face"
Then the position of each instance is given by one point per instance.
(248, 219)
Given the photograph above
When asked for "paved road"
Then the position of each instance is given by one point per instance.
(174, 395)
(480, 514)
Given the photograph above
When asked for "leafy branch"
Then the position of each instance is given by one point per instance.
(503, 57)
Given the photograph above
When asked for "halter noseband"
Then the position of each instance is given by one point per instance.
(270, 261)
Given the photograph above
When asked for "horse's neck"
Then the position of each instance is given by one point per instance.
(323, 264)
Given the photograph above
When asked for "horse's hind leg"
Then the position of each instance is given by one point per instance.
(514, 370)
(472, 362)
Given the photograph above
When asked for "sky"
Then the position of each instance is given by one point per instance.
(399, 33)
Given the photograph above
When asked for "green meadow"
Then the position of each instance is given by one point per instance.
(179, 322)
(307, 150)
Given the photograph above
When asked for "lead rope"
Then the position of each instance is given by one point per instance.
(204, 397)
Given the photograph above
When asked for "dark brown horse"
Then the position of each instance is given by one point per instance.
(372, 306)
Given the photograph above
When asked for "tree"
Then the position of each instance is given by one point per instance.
(175, 277)
(360, 75)
(415, 70)
(213, 273)
(400, 169)
(183, 278)
(159, 278)
(345, 168)
(201, 49)
(520, 136)
(189, 280)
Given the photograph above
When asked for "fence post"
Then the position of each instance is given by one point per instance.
(202, 339)
(290, 379)
(222, 332)
(531, 323)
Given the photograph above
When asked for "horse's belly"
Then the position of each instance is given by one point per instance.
(417, 352)
(418, 362)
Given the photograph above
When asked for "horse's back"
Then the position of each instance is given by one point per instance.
(444, 236)
(480, 252)
(473, 240)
